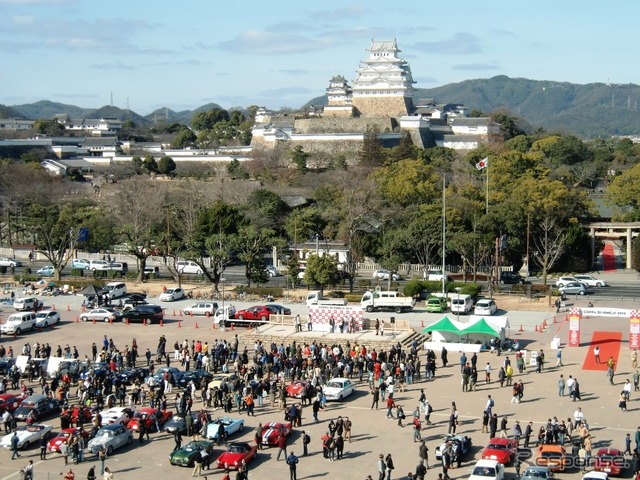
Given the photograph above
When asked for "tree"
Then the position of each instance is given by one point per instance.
(548, 245)
(299, 157)
(236, 170)
(138, 165)
(252, 242)
(321, 271)
(265, 208)
(166, 165)
(49, 127)
(372, 154)
(150, 164)
(184, 138)
(624, 194)
(407, 182)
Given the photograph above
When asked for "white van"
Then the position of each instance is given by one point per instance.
(18, 323)
(188, 267)
(461, 303)
(98, 265)
(115, 289)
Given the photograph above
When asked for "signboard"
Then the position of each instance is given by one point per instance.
(320, 317)
(574, 327)
(634, 330)
(606, 312)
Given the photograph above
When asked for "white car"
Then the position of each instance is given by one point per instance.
(9, 262)
(487, 470)
(120, 415)
(590, 281)
(562, 281)
(172, 294)
(46, 271)
(338, 388)
(27, 435)
(100, 265)
(26, 303)
(46, 318)
(485, 306)
(273, 271)
(384, 275)
(201, 308)
(80, 263)
(188, 267)
(595, 476)
(99, 315)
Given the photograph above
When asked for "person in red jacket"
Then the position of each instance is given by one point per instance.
(282, 446)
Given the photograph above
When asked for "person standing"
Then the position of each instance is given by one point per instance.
(43, 448)
(634, 359)
(493, 425)
(611, 364)
(561, 386)
(389, 464)
(382, 467)
(292, 461)
(69, 475)
(627, 444)
(446, 462)
(177, 438)
(306, 440)
(527, 434)
(421, 470)
(637, 439)
(14, 446)
(107, 474)
(28, 471)
(197, 467)
(347, 429)
(503, 427)
(282, 446)
(423, 453)
(596, 354)
(375, 397)
(102, 456)
(91, 474)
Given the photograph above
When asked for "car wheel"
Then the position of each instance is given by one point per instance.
(25, 445)
(110, 448)
(582, 292)
(598, 284)
(339, 398)
(84, 318)
(18, 331)
(106, 320)
(263, 318)
(240, 317)
(369, 308)
(398, 310)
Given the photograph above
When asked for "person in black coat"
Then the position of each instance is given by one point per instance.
(493, 425)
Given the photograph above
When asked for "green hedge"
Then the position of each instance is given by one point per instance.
(336, 294)
(418, 287)
(353, 297)
(77, 272)
(22, 278)
(262, 291)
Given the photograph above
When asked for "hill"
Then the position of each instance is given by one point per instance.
(186, 116)
(115, 112)
(8, 112)
(46, 109)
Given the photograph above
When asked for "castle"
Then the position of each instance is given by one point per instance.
(380, 97)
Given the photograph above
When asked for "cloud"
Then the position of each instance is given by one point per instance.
(498, 32)
(476, 66)
(267, 43)
(112, 66)
(460, 43)
(425, 79)
(22, 19)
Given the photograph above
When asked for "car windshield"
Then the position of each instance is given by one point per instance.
(334, 385)
(484, 472)
(552, 455)
(141, 415)
(536, 473)
(192, 447)
(608, 458)
(104, 434)
(237, 448)
(497, 446)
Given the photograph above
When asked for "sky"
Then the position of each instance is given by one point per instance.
(147, 54)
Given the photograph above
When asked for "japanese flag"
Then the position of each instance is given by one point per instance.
(484, 163)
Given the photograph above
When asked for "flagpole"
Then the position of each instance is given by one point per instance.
(487, 192)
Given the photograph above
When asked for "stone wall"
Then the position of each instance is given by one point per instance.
(345, 125)
(383, 106)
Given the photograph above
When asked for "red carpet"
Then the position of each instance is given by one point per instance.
(608, 258)
(609, 343)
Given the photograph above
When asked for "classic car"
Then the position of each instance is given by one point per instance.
(174, 375)
(199, 377)
(537, 473)
(552, 456)
(120, 415)
(461, 440)
(40, 405)
(610, 461)
(178, 423)
(130, 375)
(296, 388)
(236, 452)
(110, 437)
(81, 412)
(487, 470)
(503, 450)
(272, 431)
(186, 456)
(10, 402)
(231, 426)
(27, 435)
(218, 378)
(338, 388)
(149, 416)
(63, 436)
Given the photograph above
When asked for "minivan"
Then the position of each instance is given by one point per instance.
(18, 323)
(26, 303)
(461, 304)
(115, 289)
(188, 267)
(98, 265)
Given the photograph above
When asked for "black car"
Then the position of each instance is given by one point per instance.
(130, 375)
(511, 278)
(40, 405)
(199, 377)
(149, 313)
(178, 423)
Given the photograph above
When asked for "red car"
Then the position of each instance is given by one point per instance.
(609, 460)
(502, 450)
(148, 415)
(87, 416)
(271, 432)
(10, 401)
(236, 452)
(296, 389)
(259, 312)
(63, 436)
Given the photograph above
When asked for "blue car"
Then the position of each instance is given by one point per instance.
(231, 426)
(46, 271)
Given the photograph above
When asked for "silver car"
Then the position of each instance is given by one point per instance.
(100, 315)
(575, 288)
(110, 437)
(9, 262)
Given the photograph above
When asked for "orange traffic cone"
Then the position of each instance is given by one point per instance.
(196, 324)
(422, 324)
(537, 328)
(174, 313)
(179, 326)
(161, 323)
(54, 307)
(213, 326)
(521, 329)
(77, 319)
(180, 312)
(232, 326)
(111, 321)
(249, 327)
(554, 320)
(544, 323)
(127, 321)
(68, 308)
(144, 322)
(94, 321)
(191, 314)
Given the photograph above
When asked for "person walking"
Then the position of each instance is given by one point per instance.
(69, 475)
(382, 467)
(421, 470)
(292, 461)
(282, 446)
(389, 464)
(102, 457)
(14, 446)
(197, 466)
(423, 453)
(107, 474)
(177, 438)
(91, 474)
(28, 471)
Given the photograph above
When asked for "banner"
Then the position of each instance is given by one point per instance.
(606, 312)
(574, 327)
(634, 330)
(320, 316)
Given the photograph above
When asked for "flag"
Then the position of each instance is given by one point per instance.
(484, 163)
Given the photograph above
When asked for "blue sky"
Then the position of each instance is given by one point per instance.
(181, 55)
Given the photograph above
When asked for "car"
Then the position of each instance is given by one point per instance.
(338, 388)
(99, 265)
(187, 455)
(97, 369)
(26, 303)
(119, 415)
(487, 470)
(188, 268)
(218, 378)
(510, 278)
(610, 461)
(63, 437)
(27, 435)
(130, 375)
(276, 309)
(562, 281)
(296, 388)
(461, 440)
(81, 412)
(384, 275)
(121, 267)
(205, 308)
(436, 305)
(144, 313)
(132, 302)
(10, 402)
(590, 281)
(81, 263)
(593, 475)
(273, 271)
(231, 426)
(258, 312)
(47, 271)
(485, 306)
(574, 288)
(173, 373)
(503, 450)
(235, 454)
(537, 473)
(172, 294)
(100, 315)
(271, 432)
(178, 423)
(9, 262)
(40, 405)
(6, 363)
(199, 377)
(110, 437)
(552, 456)
(46, 318)
(149, 415)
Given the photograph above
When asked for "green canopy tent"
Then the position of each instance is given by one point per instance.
(481, 327)
(442, 325)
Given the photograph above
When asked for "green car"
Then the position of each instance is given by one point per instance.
(186, 456)
(436, 305)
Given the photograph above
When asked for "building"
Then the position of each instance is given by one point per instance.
(96, 127)
(16, 124)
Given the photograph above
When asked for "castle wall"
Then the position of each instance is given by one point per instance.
(334, 124)
(392, 106)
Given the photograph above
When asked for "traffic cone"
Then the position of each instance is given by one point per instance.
(126, 321)
(232, 326)
(180, 312)
(111, 321)
(249, 327)
(174, 313)
(77, 319)
(213, 326)
(554, 320)
(537, 328)
(54, 307)
(144, 322)
(544, 323)
(179, 326)
(161, 323)
(422, 324)
(191, 314)
(94, 321)
(521, 329)
(196, 323)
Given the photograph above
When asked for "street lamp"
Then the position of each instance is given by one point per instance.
(458, 309)
(223, 320)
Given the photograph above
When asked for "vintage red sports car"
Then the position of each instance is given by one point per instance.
(83, 412)
(609, 460)
(296, 389)
(148, 415)
(236, 452)
(63, 436)
(503, 450)
(272, 431)
(10, 401)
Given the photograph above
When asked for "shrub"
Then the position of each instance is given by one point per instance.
(27, 270)
(336, 294)
(261, 291)
(363, 283)
(100, 273)
(77, 272)
(353, 297)
(22, 278)
(413, 288)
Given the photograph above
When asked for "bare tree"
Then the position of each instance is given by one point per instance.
(548, 245)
